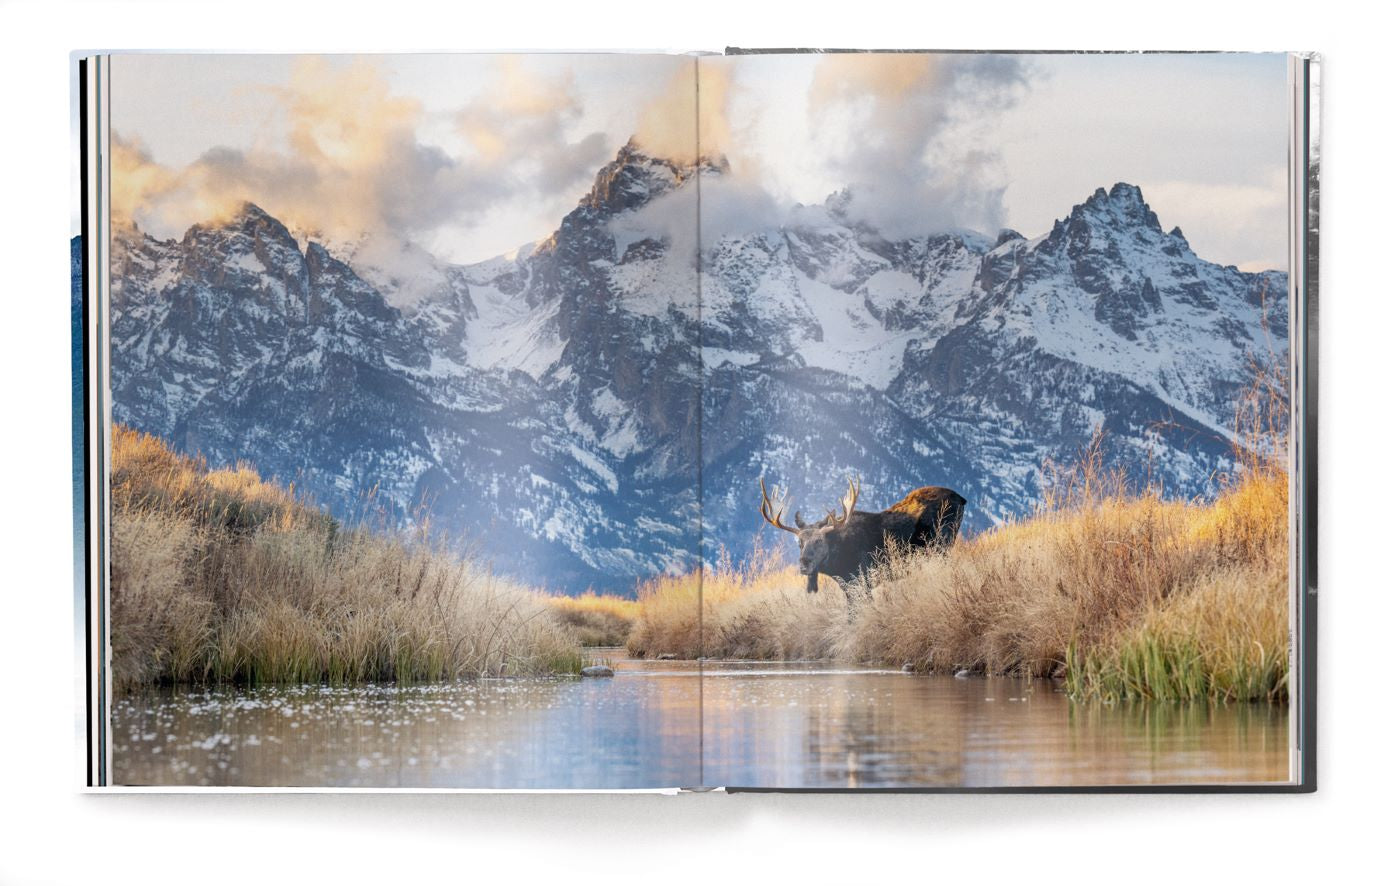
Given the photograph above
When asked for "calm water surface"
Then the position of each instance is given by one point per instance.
(677, 724)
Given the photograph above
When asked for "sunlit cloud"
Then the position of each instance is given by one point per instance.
(689, 118)
(352, 164)
(521, 127)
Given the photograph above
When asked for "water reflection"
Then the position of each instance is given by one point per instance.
(861, 730)
(552, 733)
(670, 724)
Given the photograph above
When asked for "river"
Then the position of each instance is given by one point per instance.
(683, 724)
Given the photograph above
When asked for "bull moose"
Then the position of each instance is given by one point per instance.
(847, 544)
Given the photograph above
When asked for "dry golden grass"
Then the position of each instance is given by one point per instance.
(147, 477)
(219, 576)
(596, 619)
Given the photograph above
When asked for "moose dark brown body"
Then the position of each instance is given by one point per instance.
(848, 544)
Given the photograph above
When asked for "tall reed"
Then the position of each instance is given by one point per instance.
(217, 575)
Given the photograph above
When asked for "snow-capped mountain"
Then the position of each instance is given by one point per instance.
(598, 406)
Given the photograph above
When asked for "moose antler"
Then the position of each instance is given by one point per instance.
(770, 511)
(851, 498)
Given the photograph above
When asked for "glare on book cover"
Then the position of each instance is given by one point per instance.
(648, 421)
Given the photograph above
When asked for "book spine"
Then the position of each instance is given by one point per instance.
(95, 240)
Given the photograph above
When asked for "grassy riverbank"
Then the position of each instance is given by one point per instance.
(1123, 595)
(217, 575)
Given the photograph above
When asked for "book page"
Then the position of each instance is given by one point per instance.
(1004, 338)
(405, 383)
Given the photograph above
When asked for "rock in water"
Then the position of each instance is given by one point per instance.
(597, 671)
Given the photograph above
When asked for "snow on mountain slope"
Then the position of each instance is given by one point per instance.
(553, 405)
(1154, 311)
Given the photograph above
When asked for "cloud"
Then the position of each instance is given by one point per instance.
(351, 163)
(721, 206)
(521, 126)
(688, 120)
(140, 188)
(904, 130)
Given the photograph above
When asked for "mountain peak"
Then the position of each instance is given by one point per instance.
(838, 202)
(248, 213)
(1123, 206)
(1124, 192)
(634, 151)
(1006, 235)
(634, 177)
(247, 218)
(1124, 202)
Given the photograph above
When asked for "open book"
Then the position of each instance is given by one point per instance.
(875, 419)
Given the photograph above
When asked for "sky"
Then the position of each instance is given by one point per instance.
(472, 155)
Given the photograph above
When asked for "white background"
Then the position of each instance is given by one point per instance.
(53, 833)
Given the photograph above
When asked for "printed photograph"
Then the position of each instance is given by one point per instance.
(635, 421)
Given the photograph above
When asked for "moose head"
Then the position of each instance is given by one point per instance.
(825, 543)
